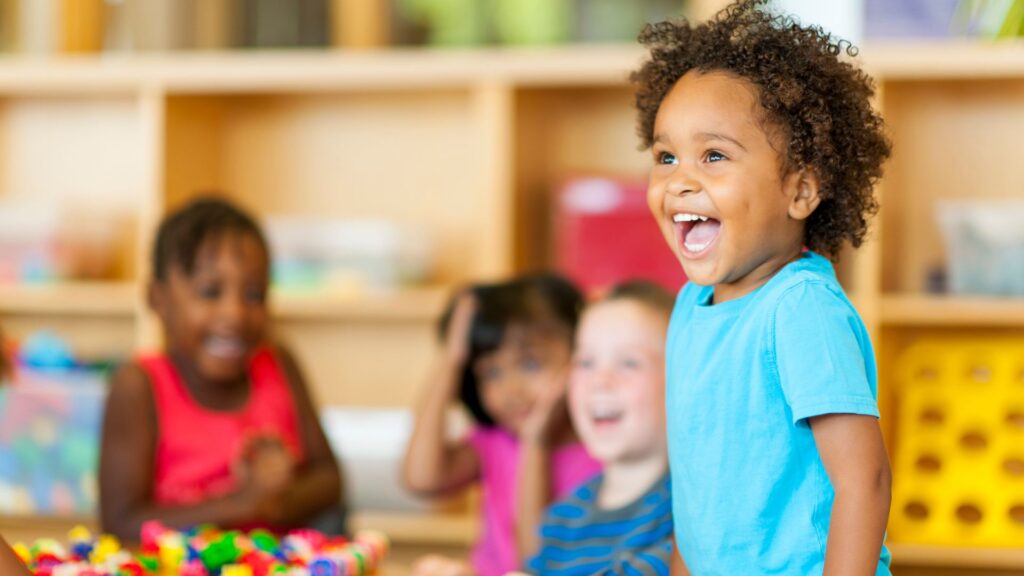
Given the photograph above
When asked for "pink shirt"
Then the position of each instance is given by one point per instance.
(498, 451)
(196, 447)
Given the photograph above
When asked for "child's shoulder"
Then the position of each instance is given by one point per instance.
(810, 295)
(809, 280)
(130, 398)
(131, 376)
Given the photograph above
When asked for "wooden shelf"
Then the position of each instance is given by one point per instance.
(29, 528)
(944, 60)
(407, 304)
(120, 299)
(929, 310)
(410, 69)
(403, 528)
(913, 555)
(311, 71)
(72, 299)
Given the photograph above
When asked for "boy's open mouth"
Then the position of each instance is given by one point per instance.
(695, 232)
(605, 415)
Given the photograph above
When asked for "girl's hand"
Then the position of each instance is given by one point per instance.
(266, 466)
(549, 414)
(456, 341)
(436, 565)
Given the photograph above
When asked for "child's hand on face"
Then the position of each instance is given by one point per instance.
(436, 565)
(549, 414)
(456, 343)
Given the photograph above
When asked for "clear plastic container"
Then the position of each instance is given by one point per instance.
(984, 246)
(321, 253)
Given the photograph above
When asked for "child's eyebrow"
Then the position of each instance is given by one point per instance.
(716, 136)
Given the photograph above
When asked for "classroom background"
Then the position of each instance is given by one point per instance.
(396, 149)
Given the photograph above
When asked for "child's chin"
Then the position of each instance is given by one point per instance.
(223, 371)
(603, 452)
(698, 274)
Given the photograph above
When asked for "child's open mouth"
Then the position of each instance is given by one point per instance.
(695, 232)
(605, 416)
(226, 347)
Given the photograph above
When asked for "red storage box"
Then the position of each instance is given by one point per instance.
(605, 234)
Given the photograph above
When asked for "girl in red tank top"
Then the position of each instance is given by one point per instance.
(220, 427)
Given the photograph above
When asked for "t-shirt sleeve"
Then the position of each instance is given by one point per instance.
(822, 354)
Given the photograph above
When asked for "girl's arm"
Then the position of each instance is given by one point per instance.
(9, 561)
(534, 495)
(548, 418)
(854, 456)
(317, 484)
(678, 567)
(126, 468)
(432, 466)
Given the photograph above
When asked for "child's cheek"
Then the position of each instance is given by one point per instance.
(577, 401)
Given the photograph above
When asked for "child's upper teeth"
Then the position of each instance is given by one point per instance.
(604, 412)
(687, 217)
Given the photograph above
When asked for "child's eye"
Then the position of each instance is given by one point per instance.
(530, 364)
(209, 291)
(714, 156)
(631, 364)
(667, 158)
(489, 374)
(584, 363)
(255, 296)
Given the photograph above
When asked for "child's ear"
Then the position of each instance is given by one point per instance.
(804, 197)
(156, 297)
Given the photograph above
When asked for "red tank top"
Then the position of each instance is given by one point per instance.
(196, 447)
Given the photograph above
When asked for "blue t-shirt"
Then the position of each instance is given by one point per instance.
(750, 493)
(580, 539)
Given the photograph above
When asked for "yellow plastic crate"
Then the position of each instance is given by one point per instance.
(959, 464)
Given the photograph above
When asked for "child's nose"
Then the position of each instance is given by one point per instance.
(232, 309)
(603, 378)
(682, 182)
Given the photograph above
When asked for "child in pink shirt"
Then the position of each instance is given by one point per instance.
(506, 353)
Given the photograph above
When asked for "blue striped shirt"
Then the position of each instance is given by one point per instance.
(578, 538)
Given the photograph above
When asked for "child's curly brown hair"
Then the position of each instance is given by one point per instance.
(821, 103)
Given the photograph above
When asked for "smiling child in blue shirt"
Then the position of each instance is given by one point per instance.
(766, 150)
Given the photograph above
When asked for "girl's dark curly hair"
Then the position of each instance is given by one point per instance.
(821, 103)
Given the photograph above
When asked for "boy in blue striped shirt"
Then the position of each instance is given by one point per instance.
(621, 521)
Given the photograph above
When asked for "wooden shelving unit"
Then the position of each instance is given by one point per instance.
(469, 144)
(112, 299)
(952, 311)
(912, 560)
(403, 305)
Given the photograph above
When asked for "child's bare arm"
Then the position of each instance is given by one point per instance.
(432, 466)
(534, 495)
(854, 456)
(126, 467)
(546, 420)
(317, 484)
(678, 567)
(9, 562)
